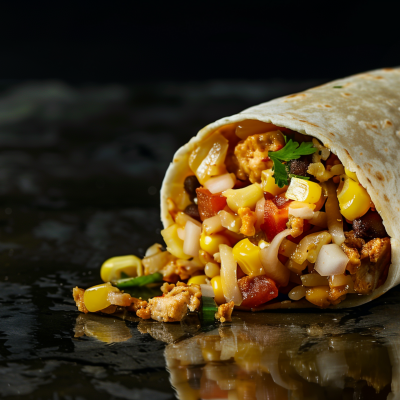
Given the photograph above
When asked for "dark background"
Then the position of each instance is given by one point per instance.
(147, 41)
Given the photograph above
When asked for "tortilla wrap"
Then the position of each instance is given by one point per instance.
(358, 119)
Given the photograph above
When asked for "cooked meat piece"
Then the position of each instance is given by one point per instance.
(137, 304)
(109, 310)
(232, 165)
(336, 292)
(375, 256)
(296, 224)
(369, 226)
(174, 304)
(78, 294)
(354, 258)
(252, 153)
(190, 185)
(248, 220)
(300, 166)
(353, 241)
(224, 312)
(193, 211)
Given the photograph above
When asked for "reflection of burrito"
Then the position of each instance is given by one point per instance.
(282, 204)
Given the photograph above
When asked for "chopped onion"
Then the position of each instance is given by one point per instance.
(212, 225)
(207, 290)
(303, 212)
(319, 219)
(230, 286)
(153, 249)
(331, 260)
(191, 243)
(334, 217)
(220, 183)
(273, 268)
(260, 206)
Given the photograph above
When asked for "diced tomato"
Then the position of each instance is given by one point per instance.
(241, 184)
(209, 204)
(257, 290)
(276, 215)
(209, 389)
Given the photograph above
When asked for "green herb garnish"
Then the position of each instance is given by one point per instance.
(208, 310)
(138, 281)
(291, 151)
(299, 176)
(338, 87)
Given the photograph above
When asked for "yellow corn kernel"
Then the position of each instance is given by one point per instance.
(247, 256)
(303, 190)
(268, 183)
(218, 292)
(112, 268)
(294, 267)
(354, 201)
(350, 174)
(197, 280)
(246, 197)
(210, 243)
(204, 257)
(318, 295)
(174, 244)
(96, 297)
(212, 269)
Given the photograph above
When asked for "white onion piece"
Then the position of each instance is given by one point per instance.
(191, 243)
(212, 225)
(303, 212)
(207, 290)
(331, 260)
(230, 287)
(273, 268)
(153, 249)
(260, 206)
(319, 219)
(334, 217)
(220, 183)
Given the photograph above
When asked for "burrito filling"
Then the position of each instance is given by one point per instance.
(266, 214)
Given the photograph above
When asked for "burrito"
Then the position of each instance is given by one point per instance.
(292, 203)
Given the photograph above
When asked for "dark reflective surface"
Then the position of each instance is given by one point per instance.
(80, 171)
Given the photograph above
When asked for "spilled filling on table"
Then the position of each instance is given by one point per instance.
(265, 215)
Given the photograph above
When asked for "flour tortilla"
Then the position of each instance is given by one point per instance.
(358, 119)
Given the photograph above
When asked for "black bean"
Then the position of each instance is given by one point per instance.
(191, 184)
(369, 226)
(300, 166)
(193, 211)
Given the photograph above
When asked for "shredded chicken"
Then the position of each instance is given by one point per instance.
(353, 241)
(248, 220)
(224, 312)
(375, 256)
(351, 247)
(252, 153)
(78, 294)
(174, 304)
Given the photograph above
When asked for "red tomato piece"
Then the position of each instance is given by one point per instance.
(257, 290)
(276, 215)
(209, 204)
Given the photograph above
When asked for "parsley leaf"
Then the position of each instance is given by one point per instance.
(291, 151)
(338, 87)
(299, 177)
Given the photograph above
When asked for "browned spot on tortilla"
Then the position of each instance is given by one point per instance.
(297, 96)
(345, 94)
(386, 149)
(361, 154)
(331, 133)
(310, 123)
(348, 154)
(388, 69)
(386, 198)
(379, 176)
(327, 105)
(386, 123)
(369, 181)
(368, 165)
(374, 126)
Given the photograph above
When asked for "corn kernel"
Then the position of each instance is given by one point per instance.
(113, 267)
(246, 197)
(218, 292)
(197, 280)
(247, 256)
(303, 190)
(318, 295)
(350, 174)
(268, 183)
(174, 244)
(354, 201)
(96, 297)
(212, 269)
(210, 243)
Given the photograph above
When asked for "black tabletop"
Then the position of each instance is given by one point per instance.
(80, 173)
